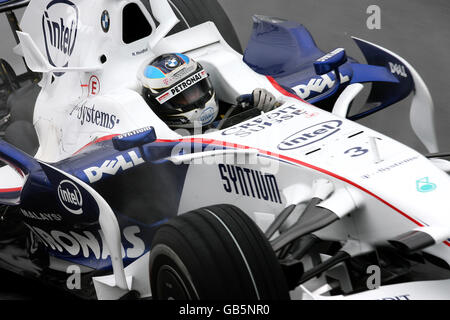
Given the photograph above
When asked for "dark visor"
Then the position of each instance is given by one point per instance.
(191, 98)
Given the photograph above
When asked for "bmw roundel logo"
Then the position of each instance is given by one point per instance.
(172, 63)
(105, 21)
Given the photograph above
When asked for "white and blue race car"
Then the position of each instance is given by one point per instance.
(101, 198)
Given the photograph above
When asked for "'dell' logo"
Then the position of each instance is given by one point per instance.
(70, 197)
(60, 25)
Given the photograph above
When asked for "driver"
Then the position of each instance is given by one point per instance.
(179, 91)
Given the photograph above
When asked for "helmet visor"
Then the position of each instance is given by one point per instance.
(191, 95)
(189, 99)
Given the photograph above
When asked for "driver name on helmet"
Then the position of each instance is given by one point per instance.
(178, 90)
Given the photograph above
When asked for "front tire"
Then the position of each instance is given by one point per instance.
(214, 253)
(194, 12)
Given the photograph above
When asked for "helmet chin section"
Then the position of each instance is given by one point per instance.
(210, 112)
(204, 116)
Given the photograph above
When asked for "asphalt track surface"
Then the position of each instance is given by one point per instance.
(417, 30)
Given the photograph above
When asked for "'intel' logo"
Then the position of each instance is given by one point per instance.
(207, 115)
(310, 135)
(70, 197)
(60, 25)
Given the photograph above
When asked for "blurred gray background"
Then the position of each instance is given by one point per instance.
(417, 30)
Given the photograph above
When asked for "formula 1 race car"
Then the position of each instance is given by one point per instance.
(102, 199)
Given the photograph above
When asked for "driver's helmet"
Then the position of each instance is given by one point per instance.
(179, 91)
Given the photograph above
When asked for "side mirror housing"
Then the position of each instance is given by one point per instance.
(330, 61)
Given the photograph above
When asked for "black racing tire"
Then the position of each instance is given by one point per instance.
(214, 253)
(22, 102)
(22, 135)
(8, 77)
(195, 12)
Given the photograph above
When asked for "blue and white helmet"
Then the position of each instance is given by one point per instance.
(179, 91)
